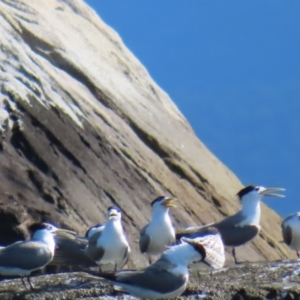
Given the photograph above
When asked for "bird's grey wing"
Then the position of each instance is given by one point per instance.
(69, 234)
(92, 230)
(29, 255)
(234, 234)
(287, 234)
(125, 258)
(230, 221)
(71, 252)
(172, 240)
(238, 235)
(192, 232)
(225, 227)
(94, 252)
(94, 238)
(155, 277)
(145, 240)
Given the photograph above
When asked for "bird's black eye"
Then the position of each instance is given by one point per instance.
(257, 188)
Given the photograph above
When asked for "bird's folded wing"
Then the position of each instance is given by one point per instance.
(71, 252)
(190, 232)
(145, 240)
(155, 278)
(26, 255)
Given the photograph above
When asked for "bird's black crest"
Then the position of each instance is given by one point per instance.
(158, 199)
(95, 226)
(37, 226)
(245, 191)
(114, 207)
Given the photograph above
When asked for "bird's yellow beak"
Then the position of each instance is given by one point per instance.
(270, 192)
(169, 202)
(113, 213)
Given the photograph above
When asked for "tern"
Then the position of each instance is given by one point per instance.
(23, 257)
(168, 276)
(110, 245)
(159, 233)
(291, 232)
(242, 227)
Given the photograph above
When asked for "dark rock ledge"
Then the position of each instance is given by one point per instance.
(261, 280)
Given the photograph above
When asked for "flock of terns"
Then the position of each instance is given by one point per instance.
(106, 248)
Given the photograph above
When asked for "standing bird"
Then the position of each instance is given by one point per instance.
(291, 232)
(159, 233)
(110, 245)
(24, 257)
(168, 276)
(242, 227)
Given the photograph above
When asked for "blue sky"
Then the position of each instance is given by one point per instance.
(233, 69)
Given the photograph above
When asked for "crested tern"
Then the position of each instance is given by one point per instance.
(110, 245)
(243, 226)
(159, 233)
(23, 257)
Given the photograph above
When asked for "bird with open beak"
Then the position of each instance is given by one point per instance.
(159, 232)
(109, 246)
(243, 226)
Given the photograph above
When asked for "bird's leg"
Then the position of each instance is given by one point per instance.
(298, 254)
(150, 260)
(31, 286)
(234, 256)
(115, 268)
(24, 283)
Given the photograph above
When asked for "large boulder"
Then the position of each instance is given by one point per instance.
(84, 126)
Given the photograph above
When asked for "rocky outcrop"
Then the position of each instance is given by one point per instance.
(249, 281)
(83, 126)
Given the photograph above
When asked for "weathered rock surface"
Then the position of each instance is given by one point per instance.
(83, 126)
(254, 281)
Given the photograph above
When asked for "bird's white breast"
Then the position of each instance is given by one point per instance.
(162, 235)
(251, 213)
(113, 242)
